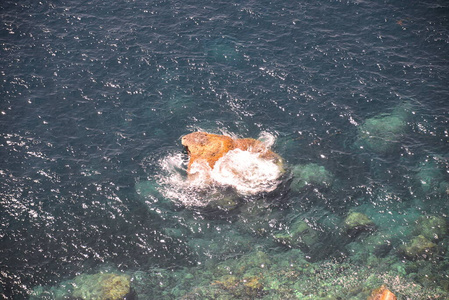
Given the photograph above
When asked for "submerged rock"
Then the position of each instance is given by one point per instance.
(223, 201)
(357, 222)
(60, 292)
(224, 51)
(382, 133)
(290, 275)
(310, 174)
(105, 286)
(418, 248)
(247, 287)
(433, 228)
(443, 188)
(429, 175)
(300, 235)
(372, 247)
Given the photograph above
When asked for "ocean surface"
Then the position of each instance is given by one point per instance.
(96, 95)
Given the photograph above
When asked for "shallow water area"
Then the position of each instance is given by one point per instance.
(94, 189)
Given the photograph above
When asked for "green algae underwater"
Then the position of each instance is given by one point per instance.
(265, 246)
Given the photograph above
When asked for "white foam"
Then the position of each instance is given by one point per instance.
(247, 172)
(267, 139)
(172, 162)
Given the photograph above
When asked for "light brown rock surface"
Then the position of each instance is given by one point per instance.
(211, 147)
(382, 293)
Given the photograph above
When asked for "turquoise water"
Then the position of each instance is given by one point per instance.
(95, 97)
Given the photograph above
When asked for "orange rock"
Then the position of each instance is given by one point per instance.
(211, 147)
(202, 145)
(382, 293)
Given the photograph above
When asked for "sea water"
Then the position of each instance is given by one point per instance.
(96, 95)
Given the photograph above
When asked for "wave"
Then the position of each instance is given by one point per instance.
(246, 172)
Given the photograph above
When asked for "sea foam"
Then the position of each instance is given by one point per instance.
(244, 171)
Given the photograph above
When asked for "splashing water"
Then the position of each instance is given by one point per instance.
(246, 172)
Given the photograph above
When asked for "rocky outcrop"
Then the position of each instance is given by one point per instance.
(211, 147)
(382, 293)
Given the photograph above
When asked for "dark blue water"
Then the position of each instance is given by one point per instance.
(94, 94)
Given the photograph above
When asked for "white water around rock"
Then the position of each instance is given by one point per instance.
(246, 172)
